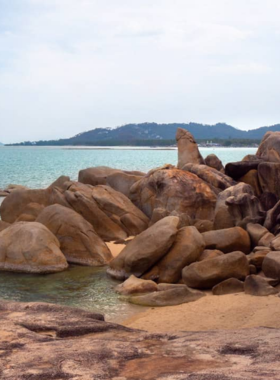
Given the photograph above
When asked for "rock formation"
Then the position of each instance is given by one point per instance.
(188, 152)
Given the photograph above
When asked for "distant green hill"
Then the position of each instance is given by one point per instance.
(159, 134)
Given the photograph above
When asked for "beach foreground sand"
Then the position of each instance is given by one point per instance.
(228, 312)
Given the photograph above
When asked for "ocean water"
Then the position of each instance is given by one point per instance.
(85, 287)
(38, 167)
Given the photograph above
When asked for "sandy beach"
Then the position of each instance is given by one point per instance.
(228, 312)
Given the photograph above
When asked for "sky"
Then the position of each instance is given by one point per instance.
(68, 66)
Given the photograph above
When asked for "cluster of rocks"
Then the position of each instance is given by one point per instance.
(197, 226)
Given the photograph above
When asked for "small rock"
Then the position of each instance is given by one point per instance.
(135, 285)
(229, 286)
(258, 286)
(271, 265)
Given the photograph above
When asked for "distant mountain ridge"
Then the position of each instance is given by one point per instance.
(131, 134)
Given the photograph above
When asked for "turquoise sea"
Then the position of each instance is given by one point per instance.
(84, 287)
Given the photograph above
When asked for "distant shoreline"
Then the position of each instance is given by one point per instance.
(108, 147)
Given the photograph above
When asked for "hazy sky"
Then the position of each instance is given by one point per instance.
(67, 66)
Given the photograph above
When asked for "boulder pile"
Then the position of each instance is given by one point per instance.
(196, 226)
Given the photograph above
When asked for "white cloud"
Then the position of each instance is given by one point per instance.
(72, 65)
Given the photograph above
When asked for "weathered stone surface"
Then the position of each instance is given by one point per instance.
(258, 286)
(3, 225)
(111, 213)
(275, 243)
(256, 258)
(78, 241)
(214, 162)
(268, 200)
(252, 179)
(229, 286)
(208, 273)
(60, 182)
(269, 148)
(271, 265)
(30, 213)
(135, 285)
(188, 152)
(119, 180)
(238, 169)
(163, 286)
(42, 342)
(236, 204)
(13, 187)
(253, 269)
(174, 190)
(204, 225)
(272, 217)
(266, 239)
(214, 178)
(30, 247)
(186, 249)
(269, 177)
(256, 232)
(145, 250)
(209, 254)
(228, 240)
(174, 296)
(15, 203)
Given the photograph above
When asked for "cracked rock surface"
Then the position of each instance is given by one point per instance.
(42, 341)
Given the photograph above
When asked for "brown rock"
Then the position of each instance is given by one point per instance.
(239, 169)
(175, 296)
(174, 190)
(271, 265)
(258, 286)
(228, 240)
(253, 269)
(30, 247)
(186, 249)
(269, 148)
(266, 239)
(15, 204)
(252, 179)
(269, 174)
(60, 182)
(135, 285)
(272, 217)
(229, 286)
(188, 152)
(30, 213)
(275, 243)
(214, 162)
(204, 225)
(208, 273)
(78, 241)
(256, 258)
(214, 178)
(256, 232)
(209, 254)
(112, 214)
(145, 250)
(3, 225)
(235, 205)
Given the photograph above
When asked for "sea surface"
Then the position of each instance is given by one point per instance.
(85, 287)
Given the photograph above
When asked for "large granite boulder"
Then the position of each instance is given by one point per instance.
(60, 181)
(141, 253)
(237, 205)
(214, 178)
(174, 296)
(209, 254)
(272, 219)
(186, 249)
(229, 286)
(239, 169)
(78, 241)
(3, 225)
(134, 285)
(258, 286)
(111, 213)
(256, 232)
(30, 247)
(271, 265)
(228, 240)
(269, 148)
(252, 179)
(174, 192)
(31, 212)
(188, 152)
(16, 203)
(269, 177)
(208, 273)
(256, 258)
(119, 180)
(214, 162)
